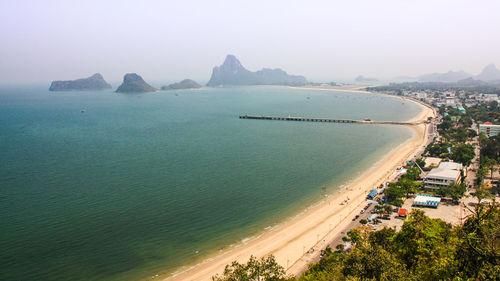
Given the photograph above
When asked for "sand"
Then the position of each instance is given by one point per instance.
(292, 239)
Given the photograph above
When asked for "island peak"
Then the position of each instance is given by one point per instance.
(232, 72)
(92, 83)
(133, 83)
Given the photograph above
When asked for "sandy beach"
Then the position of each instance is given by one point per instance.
(317, 225)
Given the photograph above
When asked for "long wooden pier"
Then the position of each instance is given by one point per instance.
(327, 120)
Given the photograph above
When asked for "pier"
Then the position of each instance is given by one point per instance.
(326, 120)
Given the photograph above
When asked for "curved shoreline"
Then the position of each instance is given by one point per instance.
(318, 224)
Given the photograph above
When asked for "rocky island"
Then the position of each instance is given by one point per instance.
(133, 83)
(184, 84)
(232, 72)
(94, 82)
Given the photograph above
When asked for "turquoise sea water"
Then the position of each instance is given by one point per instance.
(144, 184)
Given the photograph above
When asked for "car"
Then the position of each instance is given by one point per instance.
(363, 211)
(355, 218)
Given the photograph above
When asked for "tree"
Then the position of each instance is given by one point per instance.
(420, 162)
(265, 269)
(479, 248)
(408, 186)
(412, 173)
(363, 221)
(387, 209)
(463, 153)
(394, 191)
(454, 190)
(482, 193)
(340, 247)
(490, 164)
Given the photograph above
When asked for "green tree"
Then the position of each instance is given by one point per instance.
(454, 190)
(412, 173)
(394, 191)
(482, 193)
(490, 164)
(462, 153)
(265, 269)
(479, 248)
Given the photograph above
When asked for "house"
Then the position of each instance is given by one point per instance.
(372, 194)
(445, 174)
(403, 212)
(489, 129)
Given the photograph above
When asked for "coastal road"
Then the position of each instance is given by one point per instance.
(312, 255)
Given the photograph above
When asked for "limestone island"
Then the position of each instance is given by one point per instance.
(184, 84)
(133, 83)
(231, 72)
(94, 82)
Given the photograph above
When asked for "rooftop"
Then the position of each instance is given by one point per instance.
(443, 173)
(450, 166)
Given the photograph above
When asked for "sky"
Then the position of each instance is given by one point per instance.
(170, 40)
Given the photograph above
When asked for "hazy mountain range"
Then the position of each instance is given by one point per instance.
(489, 74)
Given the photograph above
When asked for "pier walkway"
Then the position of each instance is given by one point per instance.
(327, 120)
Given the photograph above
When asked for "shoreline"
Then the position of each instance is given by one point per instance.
(317, 224)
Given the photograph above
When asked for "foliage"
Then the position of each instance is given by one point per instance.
(454, 190)
(263, 269)
(479, 245)
(420, 162)
(424, 249)
(490, 147)
(412, 173)
(437, 149)
(462, 153)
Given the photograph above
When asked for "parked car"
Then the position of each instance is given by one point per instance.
(363, 211)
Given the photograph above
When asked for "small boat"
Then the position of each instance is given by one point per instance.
(82, 111)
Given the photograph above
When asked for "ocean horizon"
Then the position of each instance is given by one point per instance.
(105, 186)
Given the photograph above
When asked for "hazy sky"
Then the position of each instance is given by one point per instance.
(171, 40)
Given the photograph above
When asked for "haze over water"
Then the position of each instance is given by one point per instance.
(141, 184)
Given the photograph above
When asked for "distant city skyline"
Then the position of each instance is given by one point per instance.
(321, 40)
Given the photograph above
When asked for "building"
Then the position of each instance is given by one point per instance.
(450, 101)
(461, 110)
(489, 129)
(372, 194)
(424, 200)
(445, 174)
(402, 212)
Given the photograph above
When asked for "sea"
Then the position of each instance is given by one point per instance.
(107, 186)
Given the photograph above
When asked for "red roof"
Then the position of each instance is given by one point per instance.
(487, 123)
(403, 212)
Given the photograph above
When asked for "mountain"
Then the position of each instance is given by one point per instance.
(94, 82)
(184, 84)
(232, 72)
(362, 79)
(400, 79)
(133, 83)
(450, 76)
(471, 82)
(489, 73)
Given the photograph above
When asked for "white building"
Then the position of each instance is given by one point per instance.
(489, 129)
(445, 174)
(450, 101)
